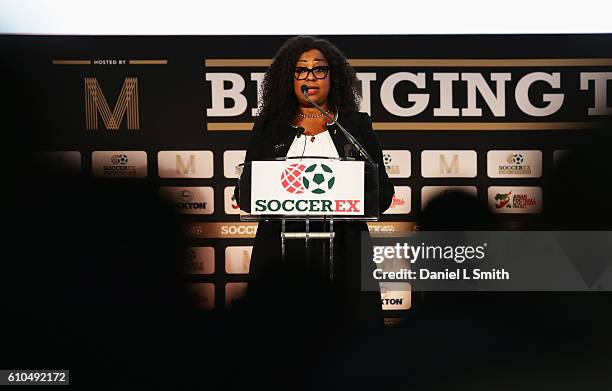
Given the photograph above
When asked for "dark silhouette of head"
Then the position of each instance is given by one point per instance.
(455, 210)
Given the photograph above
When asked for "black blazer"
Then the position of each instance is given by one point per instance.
(273, 143)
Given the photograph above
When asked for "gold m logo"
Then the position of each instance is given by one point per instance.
(452, 168)
(182, 168)
(95, 103)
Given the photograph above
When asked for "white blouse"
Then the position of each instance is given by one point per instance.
(322, 145)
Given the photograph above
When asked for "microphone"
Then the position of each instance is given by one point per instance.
(349, 137)
(300, 131)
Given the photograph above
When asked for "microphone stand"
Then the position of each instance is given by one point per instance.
(348, 136)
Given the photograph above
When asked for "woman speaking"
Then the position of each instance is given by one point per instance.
(289, 125)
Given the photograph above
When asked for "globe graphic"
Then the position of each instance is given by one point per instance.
(291, 178)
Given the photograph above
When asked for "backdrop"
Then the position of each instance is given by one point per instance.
(485, 113)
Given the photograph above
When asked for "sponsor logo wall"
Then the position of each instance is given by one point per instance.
(489, 117)
(190, 200)
(234, 292)
(238, 259)
(185, 164)
(230, 202)
(401, 202)
(200, 260)
(448, 164)
(119, 164)
(397, 163)
(395, 296)
(231, 162)
(517, 199)
(514, 164)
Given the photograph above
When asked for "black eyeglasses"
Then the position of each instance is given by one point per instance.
(320, 72)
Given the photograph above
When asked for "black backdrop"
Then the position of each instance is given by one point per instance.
(174, 94)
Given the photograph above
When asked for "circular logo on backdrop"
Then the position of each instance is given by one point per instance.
(515, 158)
(119, 159)
(184, 196)
(291, 178)
(318, 178)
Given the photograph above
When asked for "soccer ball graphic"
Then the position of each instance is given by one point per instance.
(318, 178)
(387, 159)
(515, 159)
(119, 159)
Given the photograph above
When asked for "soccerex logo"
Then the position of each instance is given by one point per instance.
(316, 178)
(515, 158)
(119, 159)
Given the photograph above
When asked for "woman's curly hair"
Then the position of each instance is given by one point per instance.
(278, 101)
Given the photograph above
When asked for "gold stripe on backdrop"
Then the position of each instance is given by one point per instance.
(89, 62)
(238, 62)
(482, 125)
(408, 126)
(228, 126)
(513, 62)
(148, 62)
(433, 62)
(71, 62)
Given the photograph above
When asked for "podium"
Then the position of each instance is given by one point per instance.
(309, 189)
